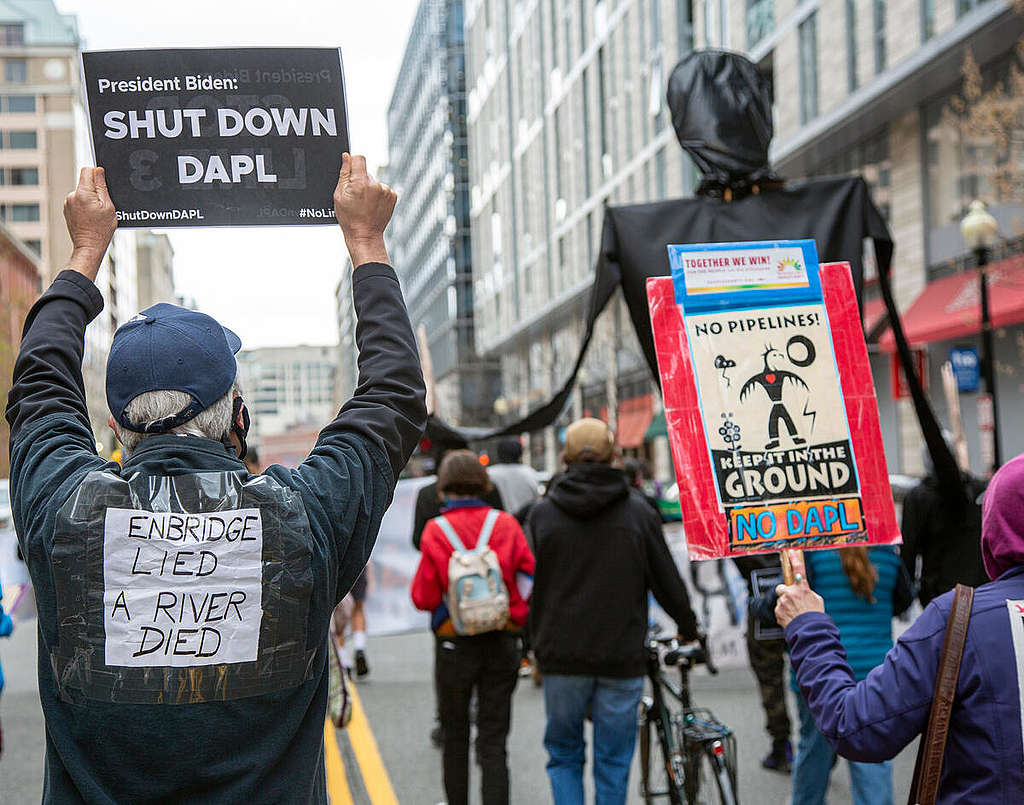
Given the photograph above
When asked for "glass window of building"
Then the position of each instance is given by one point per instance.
(878, 34)
(35, 246)
(583, 25)
(585, 129)
(851, 45)
(19, 104)
(15, 71)
(927, 19)
(554, 35)
(12, 34)
(963, 6)
(20, 139)
(22, 213)
(968, 158)
(603, 111)
(684, 28)
(760, 20)
(22, 176)
(807, 36)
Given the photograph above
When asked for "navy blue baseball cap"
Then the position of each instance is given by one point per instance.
(170, 348)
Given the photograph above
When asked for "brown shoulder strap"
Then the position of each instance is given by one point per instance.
(930, 752)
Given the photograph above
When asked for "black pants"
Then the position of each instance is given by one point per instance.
(489, 665)
(768, 662)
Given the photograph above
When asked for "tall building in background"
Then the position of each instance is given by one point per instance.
(347, 374)
(285, 387)
(430, 231)
(39, 91)
(117, 281)
(566, 113)
(155, 263)
(19, 288)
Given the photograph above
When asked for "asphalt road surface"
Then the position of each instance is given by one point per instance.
(385, 756)
(398, 702)
(397, 698)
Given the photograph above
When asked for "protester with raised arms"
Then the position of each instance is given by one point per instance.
(184, 602)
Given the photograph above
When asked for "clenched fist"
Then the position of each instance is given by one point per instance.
(91, 221)
(363, 207)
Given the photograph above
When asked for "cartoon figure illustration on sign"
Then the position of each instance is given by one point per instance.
(772, 378)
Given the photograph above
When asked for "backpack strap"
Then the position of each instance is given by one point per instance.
(449, 532)
(485, 532)
(928, 769)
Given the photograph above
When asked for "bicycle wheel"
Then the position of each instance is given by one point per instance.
(661, 772)
(709, 778)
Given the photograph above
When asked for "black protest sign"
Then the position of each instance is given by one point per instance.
(226, 137)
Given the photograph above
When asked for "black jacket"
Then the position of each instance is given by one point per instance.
(599, 550)
(94, 746)
(948, 542)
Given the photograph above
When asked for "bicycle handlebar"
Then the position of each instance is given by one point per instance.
(687, 654)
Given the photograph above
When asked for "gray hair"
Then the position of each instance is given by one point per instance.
(152, 406)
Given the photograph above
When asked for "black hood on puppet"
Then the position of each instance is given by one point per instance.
(721, 108)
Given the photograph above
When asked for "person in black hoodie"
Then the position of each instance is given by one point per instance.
(599, 549)
(947, 539)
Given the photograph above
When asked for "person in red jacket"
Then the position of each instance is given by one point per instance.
(486, 663)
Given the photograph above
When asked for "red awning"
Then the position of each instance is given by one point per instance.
(950, 308)
(635, 417)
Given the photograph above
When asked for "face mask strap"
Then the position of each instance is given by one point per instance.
(238, 406)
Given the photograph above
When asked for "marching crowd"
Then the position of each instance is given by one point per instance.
(570, 573)
(594, 548)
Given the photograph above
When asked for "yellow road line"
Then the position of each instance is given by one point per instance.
(337, 782)
(375, 776)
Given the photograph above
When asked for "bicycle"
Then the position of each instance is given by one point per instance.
(693, 760)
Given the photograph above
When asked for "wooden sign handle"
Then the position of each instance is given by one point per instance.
(787, 565)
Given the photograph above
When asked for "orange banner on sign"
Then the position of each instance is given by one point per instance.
(801, 524)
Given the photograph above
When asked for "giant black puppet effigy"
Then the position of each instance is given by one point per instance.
(721, 111)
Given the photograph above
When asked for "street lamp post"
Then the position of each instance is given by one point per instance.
(979, 229)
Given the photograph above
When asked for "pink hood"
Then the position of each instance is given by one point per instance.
(1002, 519)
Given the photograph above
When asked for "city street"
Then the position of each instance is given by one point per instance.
(398, 703)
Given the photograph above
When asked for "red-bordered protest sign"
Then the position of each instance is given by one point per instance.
(829, 498)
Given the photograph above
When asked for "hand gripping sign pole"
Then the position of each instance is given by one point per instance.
(790, 558)
(769, 401)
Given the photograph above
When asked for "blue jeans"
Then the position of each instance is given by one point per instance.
(871, 782)
(612, 705)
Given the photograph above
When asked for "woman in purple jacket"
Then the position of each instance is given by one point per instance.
(874, 719)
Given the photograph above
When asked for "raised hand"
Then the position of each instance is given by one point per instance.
(363, 207)
(91, 221)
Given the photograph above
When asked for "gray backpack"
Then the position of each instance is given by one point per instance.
(477, 598)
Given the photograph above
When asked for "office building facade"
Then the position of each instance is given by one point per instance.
(347, 373)
(19, 282)
(566, 113)
(39, 100)
(287, 386)
(430, 231)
